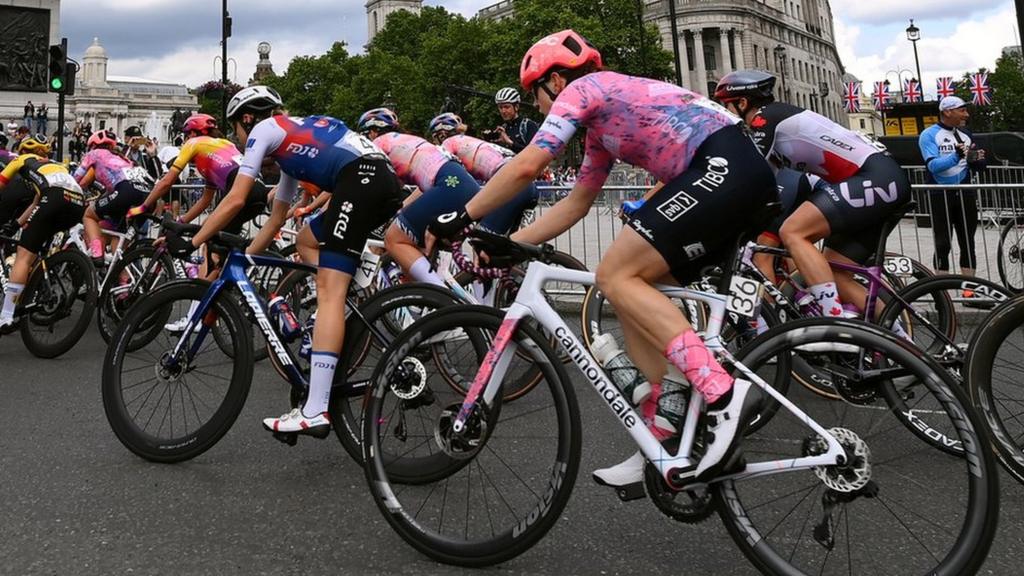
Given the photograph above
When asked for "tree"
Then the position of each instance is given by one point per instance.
(210, 96)
(1007, 109)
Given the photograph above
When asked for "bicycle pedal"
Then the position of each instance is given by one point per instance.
(634, 491)
(289, 438)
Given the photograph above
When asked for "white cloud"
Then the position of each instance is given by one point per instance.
(972, 44)
(888, 12)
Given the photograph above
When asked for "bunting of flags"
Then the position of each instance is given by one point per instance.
(881, 96)
(980, 90)
(945, 86)
(851, 97)
(912, 91)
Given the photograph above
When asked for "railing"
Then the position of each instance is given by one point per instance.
(998, 205)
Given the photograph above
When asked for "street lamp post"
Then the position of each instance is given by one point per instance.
(640, 29)
(675, 40)
(914, 34)
(780, 55)
(899, 79)
(225, 33)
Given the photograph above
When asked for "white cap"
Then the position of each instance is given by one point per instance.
(951, 103)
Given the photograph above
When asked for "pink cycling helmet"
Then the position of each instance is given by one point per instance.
(561, 50)
(201, 123)
(102, 138)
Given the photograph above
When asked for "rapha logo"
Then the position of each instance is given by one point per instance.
(639, 227)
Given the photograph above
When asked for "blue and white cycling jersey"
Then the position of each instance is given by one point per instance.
(938, 148)
(313, 149)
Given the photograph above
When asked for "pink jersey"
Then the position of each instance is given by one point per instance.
(481, 159)
(647, 123)
(110, 168)
(416, 161)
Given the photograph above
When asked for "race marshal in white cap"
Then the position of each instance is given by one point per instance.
(950, 155)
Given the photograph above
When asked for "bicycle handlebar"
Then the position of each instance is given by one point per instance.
(501, 250)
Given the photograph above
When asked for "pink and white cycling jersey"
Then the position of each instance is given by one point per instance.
(110, 168)
(481, 159)
(647, 123)
(416, 161)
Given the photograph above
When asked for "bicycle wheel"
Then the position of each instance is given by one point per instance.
(170, 412)
(363, 351)
(491, 493)
(1009, 257)
(57, 303)
(994, 370)
(896, 506)
(132, 277)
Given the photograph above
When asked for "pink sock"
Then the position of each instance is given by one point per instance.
(647, 410)
(96, 247)
(688, 352)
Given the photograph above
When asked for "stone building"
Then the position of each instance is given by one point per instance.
(868, 120)
(377, 12)
(117, 102)
(264, 68)
(27, 29)
(794, 39)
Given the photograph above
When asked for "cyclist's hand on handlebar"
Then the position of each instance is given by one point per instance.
(629, 207)
(448, 225)
(179, 247)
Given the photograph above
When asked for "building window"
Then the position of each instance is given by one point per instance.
(862, 124)
(757, 56)
(689, 58)
(710, 62)
(376, 23)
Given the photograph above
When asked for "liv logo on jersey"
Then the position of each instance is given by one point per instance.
(676, 206)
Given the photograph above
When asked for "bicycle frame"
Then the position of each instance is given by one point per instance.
(530, 303)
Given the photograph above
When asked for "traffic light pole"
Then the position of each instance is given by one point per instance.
(60, 127)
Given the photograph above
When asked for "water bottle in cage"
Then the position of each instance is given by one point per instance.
(620, 369)
(286, 321)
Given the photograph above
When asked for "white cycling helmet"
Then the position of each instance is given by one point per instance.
(253, 99)
(507, 96)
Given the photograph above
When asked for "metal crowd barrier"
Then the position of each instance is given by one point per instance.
(999, 204)
(1000, 200)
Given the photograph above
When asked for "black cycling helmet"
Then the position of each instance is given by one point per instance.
(754, 85)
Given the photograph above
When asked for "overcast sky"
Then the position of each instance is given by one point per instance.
(177, 40)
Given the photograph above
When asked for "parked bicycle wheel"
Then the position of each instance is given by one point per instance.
(166, 406)
(132, 277)
(1009, 256)
(57, 303)
(879, 512)
(486, 495)
(994, 372)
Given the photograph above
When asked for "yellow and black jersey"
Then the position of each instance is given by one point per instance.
(39, 173)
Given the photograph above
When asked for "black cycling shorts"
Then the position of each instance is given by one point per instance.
(114, 205)
(255, 204)
(58, 210)
(856, 208)
(366, 194)
(15, 198)
(696, 218)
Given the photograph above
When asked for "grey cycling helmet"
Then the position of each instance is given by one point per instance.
(507, 96)
(756, 85)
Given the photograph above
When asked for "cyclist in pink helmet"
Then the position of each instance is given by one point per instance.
(711, 177)
(124, 186)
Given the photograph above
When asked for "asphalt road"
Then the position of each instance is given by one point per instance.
(74, 501)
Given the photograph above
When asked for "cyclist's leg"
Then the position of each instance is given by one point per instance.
(966, 225)
(453, 189)
(941, 230)
(93, 233)
(502, 220)
(799, 233)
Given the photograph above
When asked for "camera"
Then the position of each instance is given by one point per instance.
(973, 155)
(491, 135)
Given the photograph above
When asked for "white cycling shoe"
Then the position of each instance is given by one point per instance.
(623, 474)
(295, 422)
(177, 326)
(724, 430)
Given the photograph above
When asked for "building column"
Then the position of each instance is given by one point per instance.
(723, 38)
(698, 58)
(737, 40)
(684, 63)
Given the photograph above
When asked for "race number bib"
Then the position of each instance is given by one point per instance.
(136, 174)
(899, 266)
(744, 296)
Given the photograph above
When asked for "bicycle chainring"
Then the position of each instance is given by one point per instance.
(686, 506)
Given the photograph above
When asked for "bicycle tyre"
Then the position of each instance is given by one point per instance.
(997, 329)
(1009, 259)
(56, 284)
(969, 544)
(154, 308)
(538, 516)
(113, 303)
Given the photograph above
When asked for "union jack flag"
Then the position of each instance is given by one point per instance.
(945, 87)
(912, 91)
(980, 90)
(851, 97)
(881, 97)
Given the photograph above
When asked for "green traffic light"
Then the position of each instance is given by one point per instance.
(56, 84)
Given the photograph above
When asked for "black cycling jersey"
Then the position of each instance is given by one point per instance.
(520, 130)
